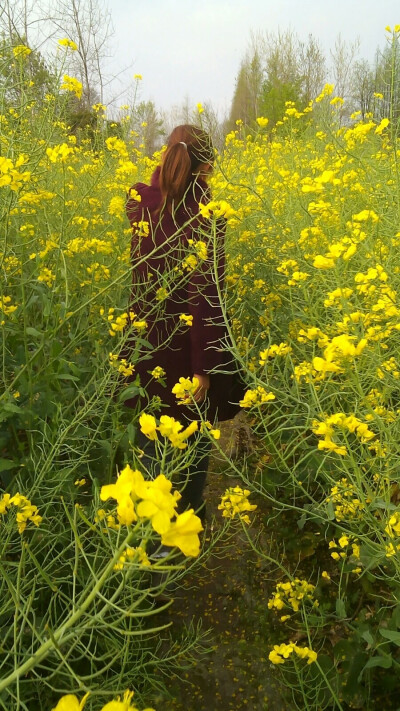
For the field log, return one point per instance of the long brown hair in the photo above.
(188, 146)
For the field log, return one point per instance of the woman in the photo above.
(178, 271)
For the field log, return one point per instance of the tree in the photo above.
(363, 87)
(16, 76)
(343, 57)
(148, 125)
(87, 23)
(277, 68)
(312, 65)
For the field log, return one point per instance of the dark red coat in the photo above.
(180, 350)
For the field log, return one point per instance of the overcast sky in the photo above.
(192, 49)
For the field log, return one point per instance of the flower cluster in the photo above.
(73, 85)
(235, 502)
(292, 594)
(138, 499)
(346, 547)
(282, 652)
(168, 427)
(70, 702)
(347, 505)
(346, 423)
(25, 510)
(257, 396)
(10, 175)
(133, 555)
(275, 350)
(184, 389)
(121, 365)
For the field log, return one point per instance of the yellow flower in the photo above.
(185, 388)
(148, 425)
(200, 108)
(158, 504)
(262, 121)
(383, 124)
(235, 502)
(68, 43)
(125, 491)
(321, 262)
(157, 372)
(70, 702)
(73, 85)
(186, 319)
(215, 433)
(21, 50)
(184, 533)
(137, 76)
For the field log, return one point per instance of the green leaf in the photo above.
(128, 392)
(330, 511)
(6, 464)
(33, 332)
(378, 661)
(368, 637)
(9, 407)
(392, 635)
(340, 609)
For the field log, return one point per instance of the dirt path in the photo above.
(228, 594)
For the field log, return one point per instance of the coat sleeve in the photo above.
(208, 329)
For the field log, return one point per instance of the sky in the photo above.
(192, 50)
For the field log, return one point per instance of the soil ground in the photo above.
(228, 595)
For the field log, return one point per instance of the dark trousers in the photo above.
(191, 480)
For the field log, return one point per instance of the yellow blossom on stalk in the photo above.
(184, 533)
(179, 440)
(138, 77)
(125, 493)
(187, 319)
(217, 208)
(383, 124)
(158, 503)
(321, 262)
(365, 215)
(6, 306)
(292, 594)
(161, 293)
(121, 365)
(148, 425)
(116, 206)
(262, 121)
(200, 108)
(255, 397)
(158, 372)
(275, 350)
(347, 505)
(184, 389)
(47, 277)
(21, 50)
(200, 248)
(282, 652)
(68, 43)
(235, 502)
(59, 153)
(393, 525)
(73, 85)
(70, 702)
(26, 511)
